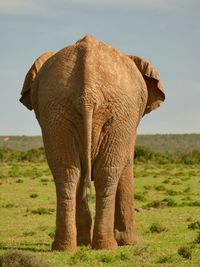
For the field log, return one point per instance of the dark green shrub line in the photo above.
(33, 155)
(145, 154)
(142, 154)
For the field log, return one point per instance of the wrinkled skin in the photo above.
(89, 99)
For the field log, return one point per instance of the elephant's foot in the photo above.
(125, 238)
(104, 243)
(62, 246)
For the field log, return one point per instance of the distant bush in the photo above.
(145, 154)
(142, 154)
(33, 155)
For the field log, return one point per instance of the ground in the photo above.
(168, 221)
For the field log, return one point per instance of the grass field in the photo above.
(168, 221)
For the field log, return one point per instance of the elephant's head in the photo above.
(30, 77)
(155, 89)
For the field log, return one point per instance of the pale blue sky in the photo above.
(166, 32)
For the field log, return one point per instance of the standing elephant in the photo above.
(89, 99)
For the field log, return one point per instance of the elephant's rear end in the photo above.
(84, 87)
(89, 99)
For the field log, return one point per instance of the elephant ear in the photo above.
(155, 89)
(30, 77)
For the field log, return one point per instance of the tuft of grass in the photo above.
(194, 225)
(191, 203)
(44, 180)
(164, 259)
(80, 256)
(31, 233)
(173, 192)
(170, 202)
(140, 197)
(123, 256)
(176, 183)
(9, 205)
(33, 195)
(42, 211)
(147, 187)
(187, 189)
(189, 219)
(42, 228)
(106, 258)
(184, 179)
(195, 203)
(160, 188)
(52, 234)
(21, 259)
(19, 181)
(155, 204)
(197, 240)
(185, 252)
(157, 228)
(187, 198)
(166, 181)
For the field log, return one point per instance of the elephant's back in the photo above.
(88, 73)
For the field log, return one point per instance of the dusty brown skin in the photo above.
(89, 99)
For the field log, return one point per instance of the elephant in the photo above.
(89, 99)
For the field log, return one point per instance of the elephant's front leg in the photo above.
(124, 209)
(105, 186)
(65, 236)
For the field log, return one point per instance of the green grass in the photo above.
(167, 224)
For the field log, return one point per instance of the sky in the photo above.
(166, 32)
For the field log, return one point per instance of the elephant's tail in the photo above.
(88, 112)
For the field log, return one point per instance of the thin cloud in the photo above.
(35, 6)
(146, 4)
(20, 6)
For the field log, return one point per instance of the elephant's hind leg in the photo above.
(64, 162)
(105, 186)
(124, 210)
(83, 218)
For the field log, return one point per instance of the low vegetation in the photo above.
(167, 202)
(156, 142)
(157, 228)
(185, 252)
(21, 259)
(142, 154)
